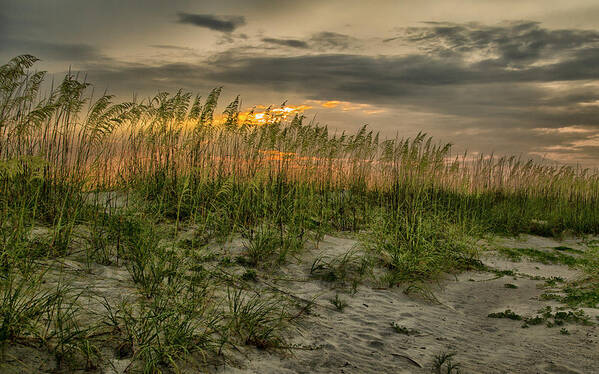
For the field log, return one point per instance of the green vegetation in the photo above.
(146, 188)
(568, 249)
(339, 303)
(403, 330)
(582, 292)
(351, 267)
(544, 257)
(444, 364)
(506, 314)
(547, 317)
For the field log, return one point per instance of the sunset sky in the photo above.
(506, 76)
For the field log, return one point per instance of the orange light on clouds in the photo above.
(348, 106)
(565, 130)
(331, 104)
(262, 115)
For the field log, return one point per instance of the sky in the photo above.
(506, 77)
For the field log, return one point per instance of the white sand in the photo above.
(361, 340)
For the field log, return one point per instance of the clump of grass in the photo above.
(257, 320)
(150, 264)
(99, 247)
(583, 292)
(444, 364)
(164, 331)
(510, 285)
(350, 267)
(338, 303)
(403, 329)
(262, 245)
(250, 275)
(553, 281)
(66, 336)
(416, 246)
(568, 249)
(23, 303)
(508, 313)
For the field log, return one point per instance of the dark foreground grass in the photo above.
(119, 182)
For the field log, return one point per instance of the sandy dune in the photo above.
(361, 340)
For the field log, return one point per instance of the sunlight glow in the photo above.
(271, 115)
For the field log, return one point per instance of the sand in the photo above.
(360, 339)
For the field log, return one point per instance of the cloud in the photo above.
(516, 44)
(496, 95)
(171, 47)
(460, 95)
(378, 77)
(322, 41)
(293, 43)
(327, 40)
(69, 52)
(212, 22)
(145, 79)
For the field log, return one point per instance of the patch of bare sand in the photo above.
(361, 340)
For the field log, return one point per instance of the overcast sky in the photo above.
(505, 76)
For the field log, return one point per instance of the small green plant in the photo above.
(443, 364)
(350, 267)
(557, 318)
(257, 320)
(250, 275)
(403, 329)
(510, 285)
(262, 245)
(506, 314)
(66, 337)
(150, 264)
(23, 303)
(553, 281)
(338, 303)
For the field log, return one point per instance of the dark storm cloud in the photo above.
(293, 43)
(210, 21)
